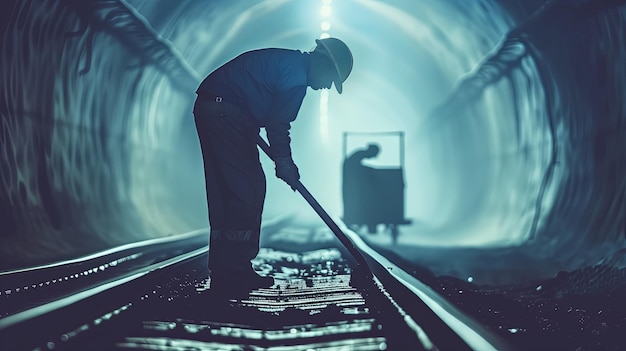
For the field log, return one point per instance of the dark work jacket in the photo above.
(269, 84)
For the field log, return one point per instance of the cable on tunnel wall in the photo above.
(528, 40)
(66, 138)
(120, 20)
(549, 171)
(600, 224)
(501, 65)
(602, 213)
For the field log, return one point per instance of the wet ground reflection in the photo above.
(312, 306)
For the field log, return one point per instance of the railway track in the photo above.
(156, 296)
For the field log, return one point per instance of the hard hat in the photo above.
(340, 56)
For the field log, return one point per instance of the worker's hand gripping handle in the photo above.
(287, 170)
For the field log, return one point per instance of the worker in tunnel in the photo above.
(261, 88)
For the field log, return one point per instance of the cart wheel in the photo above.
(394, 233)
(372, 228)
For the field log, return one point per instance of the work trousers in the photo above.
(235, 183)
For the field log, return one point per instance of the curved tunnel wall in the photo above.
(517, 142)
(588, 118)
(72, 137)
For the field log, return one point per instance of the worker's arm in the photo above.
(283, 111)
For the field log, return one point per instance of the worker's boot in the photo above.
(230, 252)
(240, 280)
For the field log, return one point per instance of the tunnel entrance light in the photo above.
(325, 25)
(326, 10)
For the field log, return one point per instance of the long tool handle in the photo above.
(347, 243)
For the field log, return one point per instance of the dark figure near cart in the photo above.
(358, 186)
(372, 196)
(258, 89)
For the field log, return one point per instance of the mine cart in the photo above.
(373, 195)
